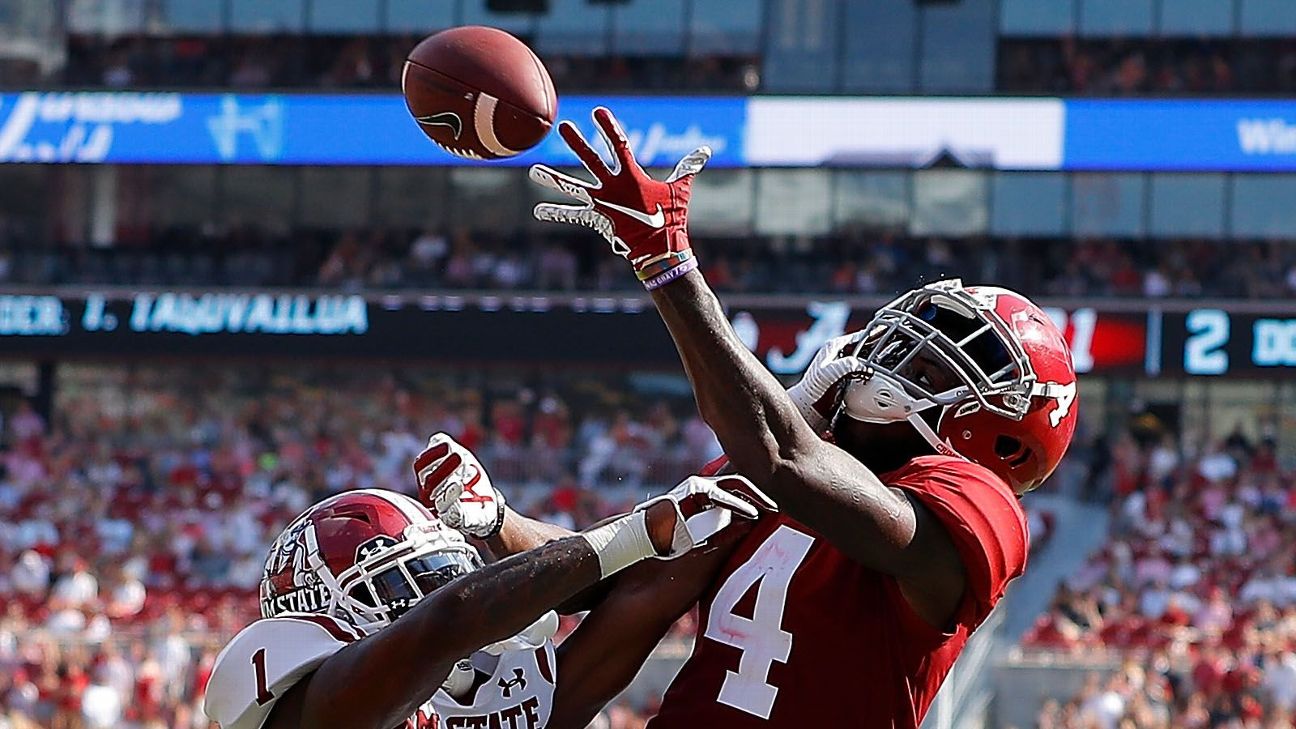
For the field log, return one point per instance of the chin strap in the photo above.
(879, 398)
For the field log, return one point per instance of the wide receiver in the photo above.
(376, 614)
(897, 463)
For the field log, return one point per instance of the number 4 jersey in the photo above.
(271, 655)
(795, 634)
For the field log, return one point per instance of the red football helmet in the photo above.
(364, 557)
(995, 365)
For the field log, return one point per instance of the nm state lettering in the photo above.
(249, 314)
(525, 715)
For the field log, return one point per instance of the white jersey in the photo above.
(269, 656)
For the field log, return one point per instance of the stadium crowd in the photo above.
(848, 264)
(1130, 67)
(133, 525)
(1195, 587)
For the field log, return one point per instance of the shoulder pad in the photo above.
(265, 660)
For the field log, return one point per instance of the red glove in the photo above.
(645, 220)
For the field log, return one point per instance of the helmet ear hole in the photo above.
(1011, 450)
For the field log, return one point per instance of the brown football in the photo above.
(479, 92)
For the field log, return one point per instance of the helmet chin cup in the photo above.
(879, 398)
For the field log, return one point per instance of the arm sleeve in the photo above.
(983, 518)
(264, 661)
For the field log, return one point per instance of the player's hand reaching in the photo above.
(815, 393)
(699, 507)
(453, 483)
(645, 220)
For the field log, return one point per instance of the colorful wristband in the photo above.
(662, 264)
(671, 274)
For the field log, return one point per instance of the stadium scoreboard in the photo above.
(610, 329)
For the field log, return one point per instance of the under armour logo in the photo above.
(374, 546)
(518, 680)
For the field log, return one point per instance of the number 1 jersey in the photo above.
(793, 633)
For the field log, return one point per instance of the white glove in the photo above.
(703, 508)
(452, 482)
(825, 371)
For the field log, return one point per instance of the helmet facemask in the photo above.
(391, 577)
(938, 346)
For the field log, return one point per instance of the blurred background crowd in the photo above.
(385, 259)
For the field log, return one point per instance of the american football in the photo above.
(479, 92)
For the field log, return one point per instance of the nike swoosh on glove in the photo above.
(645, 220)
(453, 483)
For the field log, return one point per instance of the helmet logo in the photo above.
(312, 599)
(1064, 396)
(290, 553)
(374, 546)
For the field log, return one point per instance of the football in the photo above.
(479, 92)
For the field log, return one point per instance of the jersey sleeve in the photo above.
(982, 516)
(264, 661)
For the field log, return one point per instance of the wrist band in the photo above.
(620, 543)
(671, 274)
(663, 263)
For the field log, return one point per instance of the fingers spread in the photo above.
(692, 163)
(588, 157)
(615, 138)
(546, 176)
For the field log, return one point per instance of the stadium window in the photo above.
(489, 199)
(415, 197)
(1046, 18)
(793, 202)
(648, 27)
(880, 38)
(949, 202)
(1107, 205)
(1187, 205)
(419, 16)
(723, 202)
(186, 16)
(871, 199)
(802, 42)
(958, 47)
(336, 197)
(266, 16)
(1028, 204)
(260, 195)
(171, 195)
(28, 195)
(1115, 17)
(729, 28)
(1262, 206)
(1268, 17)
(95, 17)
(479, 12)
(573, 27)
(342, 17)
(1195, 18)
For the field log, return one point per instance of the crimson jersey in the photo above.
(793, 633)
